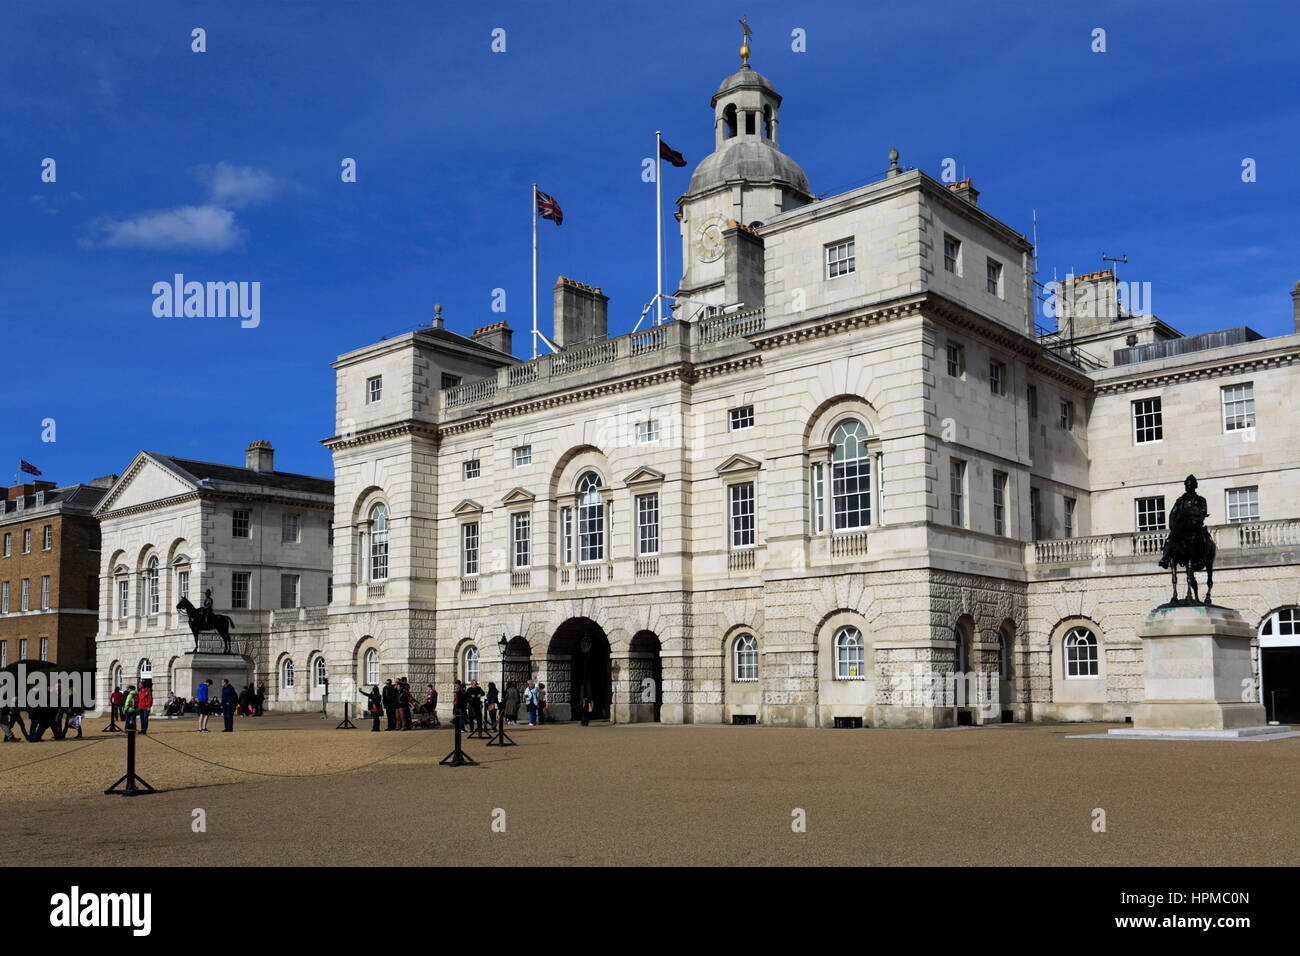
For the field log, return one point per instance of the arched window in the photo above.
(117, 676)
(767, 122)
(379, 543)
(318, 670)
(146, 668)
(151, 586)
(850, 654)
(745, 654)
(1080, 653)
(471, 663)
(591, 519)
(729, 121)
(1004, 654)
(1281, 623)
(372, 666)
(961, 658)
(286, 673)
(850, 476)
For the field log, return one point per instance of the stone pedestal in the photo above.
(1197, 671)
(196, 667)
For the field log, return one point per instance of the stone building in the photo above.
(49, 572)
(259, 539)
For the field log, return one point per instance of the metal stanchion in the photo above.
(130, 778)
(458, 757)
(347, 724)
(112, 727)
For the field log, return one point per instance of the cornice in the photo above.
(369, 436)
(1203, 370)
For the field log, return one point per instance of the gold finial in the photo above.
(744, 46)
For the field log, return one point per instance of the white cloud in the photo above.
(205, 228)
(234, 187)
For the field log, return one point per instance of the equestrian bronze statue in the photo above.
(202, 619)
(1189, 543)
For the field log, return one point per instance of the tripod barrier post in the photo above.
(347, 724)
(135, 785)
(458, 757)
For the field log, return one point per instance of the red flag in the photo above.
(548, 208)
(670, 154)
(28, 467)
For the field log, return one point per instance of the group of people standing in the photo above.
(474, 707)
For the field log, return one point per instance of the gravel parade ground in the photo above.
(650, 794)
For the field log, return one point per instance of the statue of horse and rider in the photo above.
(202, 619)
(1189, 543)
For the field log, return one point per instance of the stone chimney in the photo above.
(496, 336)
(1091, 301)
(260, 457)
(104, 482)
(581, 314)
(967, 191)
(1295, 305)
(743, 254)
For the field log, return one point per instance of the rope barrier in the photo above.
(52, 756)
(266, 773)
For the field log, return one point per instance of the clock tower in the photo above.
(746, 179)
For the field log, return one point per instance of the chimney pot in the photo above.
(260, 457)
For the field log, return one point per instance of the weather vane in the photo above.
(749, 35)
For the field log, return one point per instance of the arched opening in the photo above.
(963, 636)
(577, 669)
(729, 121)
(519, 663)
(1007, 670)
(1279, 664)
(645, 678)
(767, 122)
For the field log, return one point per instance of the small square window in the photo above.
(840, 259)
(956, 355)
(1148, 421)
(523, 455)
(374, 389)
(647, 432)
(449, 381)
(1067, 415)
(471, 469)
(993, 277)
(742, 417)
(952, 254)
(1238, 407)
(997, 378)
(1243, 504)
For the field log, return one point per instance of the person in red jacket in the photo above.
(145, 704)
(115, 700)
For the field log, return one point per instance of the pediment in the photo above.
(644, 475)
(738, 463)
(467, 507)
(518, 496)
(145, 481)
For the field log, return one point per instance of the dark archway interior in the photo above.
(1281, 666)
(589, 671)
(647, 663)
(519, 663)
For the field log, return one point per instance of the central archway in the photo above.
(577, 659)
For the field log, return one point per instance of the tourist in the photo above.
(129, 705)
(201, 705)
(458, 705)
(115, 699)
(261, 699)
(474, 701)
(144, 703)
(493, 705)
(511, 705)
(228, 698)
(530, 702)
(403, 705)
(541, 703)
(375, 703)
(431, 706)
(390, 704)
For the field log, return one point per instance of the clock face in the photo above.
(708, 238)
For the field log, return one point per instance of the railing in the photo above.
(522, 374)
(376, 590)
(740, 560)
(847, 545)
(647, 567)
(468, 585)
(471, 393)
(734, 325)
(647, 340)
(521, 579)
(1238, 536)
(589, 573)
(589, 356)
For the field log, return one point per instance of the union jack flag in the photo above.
(28, 467)
(548, 208)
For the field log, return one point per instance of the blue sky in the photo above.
(225, 166)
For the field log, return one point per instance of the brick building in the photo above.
(49, 572)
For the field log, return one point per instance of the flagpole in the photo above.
(659, 233)
(534, 270)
